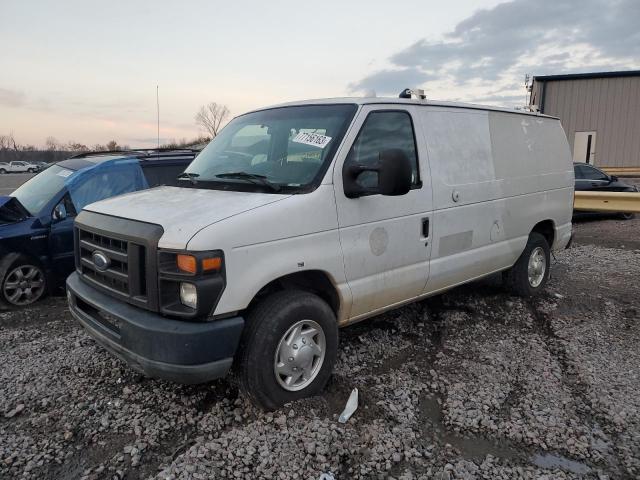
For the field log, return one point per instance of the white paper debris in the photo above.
(350, 408)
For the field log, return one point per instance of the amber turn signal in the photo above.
(211, 264)
(187, 263)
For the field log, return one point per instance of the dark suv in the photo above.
(36, 220)
(590, 178)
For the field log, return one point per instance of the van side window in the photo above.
(382, 131)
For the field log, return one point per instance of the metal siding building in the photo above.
(600, 113)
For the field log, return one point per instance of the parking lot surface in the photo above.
(10, 181)
(474, 383)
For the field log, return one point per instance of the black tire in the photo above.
(3, 171)
(266, 325)
(517, 277)
(31, 170)
(9, 267)
(627, 216)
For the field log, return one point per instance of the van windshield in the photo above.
(283, 150)
(39, 190)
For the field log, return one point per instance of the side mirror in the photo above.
(394, 175)
(613, 178)
(59, 212)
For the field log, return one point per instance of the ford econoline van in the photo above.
(305, 217)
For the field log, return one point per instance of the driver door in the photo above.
(385, 239)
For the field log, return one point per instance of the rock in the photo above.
(16, 411)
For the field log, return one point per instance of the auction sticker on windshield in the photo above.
(64, 173)
(314, 139)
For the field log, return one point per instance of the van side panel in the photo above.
(533, 157)
(495, 175)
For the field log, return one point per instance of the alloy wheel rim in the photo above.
(537, 267)
(24, 285)
(300, 355)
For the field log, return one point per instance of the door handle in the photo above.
(425, 227)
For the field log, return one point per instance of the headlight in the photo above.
(190, 283)
(189, 295)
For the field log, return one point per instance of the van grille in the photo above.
(124, 271)
(119, 256)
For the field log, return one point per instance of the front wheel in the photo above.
(530, 273)
(627, 216)
(23, 281)
(288, 349)
(3, 171)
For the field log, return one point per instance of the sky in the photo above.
(87, 71)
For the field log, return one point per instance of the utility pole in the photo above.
(158, 111)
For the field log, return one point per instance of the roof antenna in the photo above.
(417, 92)
(158, 112)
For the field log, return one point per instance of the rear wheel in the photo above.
(530, 273)
(31, 170)
(288, 349)
(2, 170)
(23, 281)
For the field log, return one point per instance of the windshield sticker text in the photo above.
(314, 139)
(64, 173)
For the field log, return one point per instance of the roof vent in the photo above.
(416, 92)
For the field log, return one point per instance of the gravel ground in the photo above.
(471, 384)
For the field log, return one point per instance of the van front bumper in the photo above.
(159, 347)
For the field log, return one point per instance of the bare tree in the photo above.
(184, 143)
(13, 150)
(76, 147)
(112, 145)
(4, 142)
(52, 144)
(211, 117)
(8, 142)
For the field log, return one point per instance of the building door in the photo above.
(584, 147)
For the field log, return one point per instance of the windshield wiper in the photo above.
(251, 177)
(189, 176)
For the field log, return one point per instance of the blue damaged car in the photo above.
(36, 220)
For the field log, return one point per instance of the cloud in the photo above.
(12, 98)
(500, 44)
(400, 78)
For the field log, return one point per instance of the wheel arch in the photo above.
(547, 229)
(318, 282)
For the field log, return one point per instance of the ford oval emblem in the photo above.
(100, 260)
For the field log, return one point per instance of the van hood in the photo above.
(182, 212)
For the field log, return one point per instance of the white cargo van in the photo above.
(305, 217)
